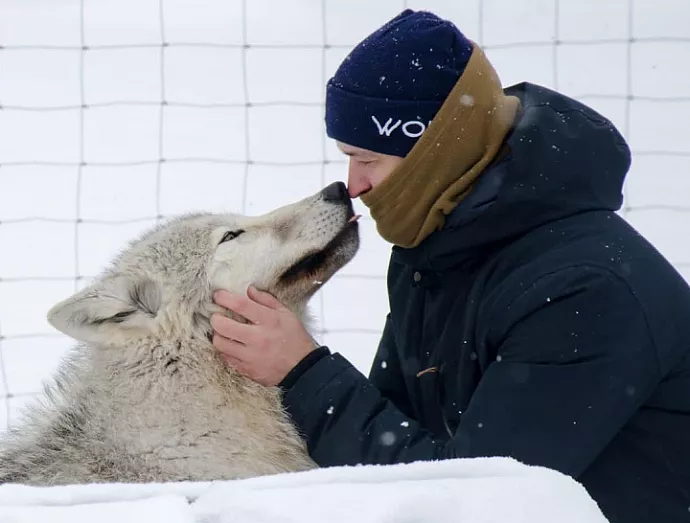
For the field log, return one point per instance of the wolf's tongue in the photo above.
(354, 218)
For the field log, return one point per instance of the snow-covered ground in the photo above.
(483, 490)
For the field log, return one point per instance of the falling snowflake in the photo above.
(387, 438)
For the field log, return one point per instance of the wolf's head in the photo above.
(161, 285)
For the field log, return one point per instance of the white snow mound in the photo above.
(480, 490)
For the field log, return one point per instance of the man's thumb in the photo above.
(264, 298)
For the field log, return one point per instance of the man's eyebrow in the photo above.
(357, 154)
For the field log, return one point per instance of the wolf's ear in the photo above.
(109, 311)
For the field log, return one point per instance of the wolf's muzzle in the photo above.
(336, 193)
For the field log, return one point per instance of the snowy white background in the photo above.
(114, 113)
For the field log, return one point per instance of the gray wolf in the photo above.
(143, 396)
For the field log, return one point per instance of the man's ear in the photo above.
(109, 311)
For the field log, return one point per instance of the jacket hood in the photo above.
(561, 158)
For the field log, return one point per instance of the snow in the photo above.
(481, 490)
(163, 508)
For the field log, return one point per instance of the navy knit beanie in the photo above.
(392, 84)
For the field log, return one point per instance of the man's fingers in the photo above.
(237, 364)
(232, 329)
(264, 298)
(242, 305)
(230, 348)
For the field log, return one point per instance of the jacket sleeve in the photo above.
(386, 373)
(574, 361)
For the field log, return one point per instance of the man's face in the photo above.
(367, 169)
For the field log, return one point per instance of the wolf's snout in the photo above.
(336, 193)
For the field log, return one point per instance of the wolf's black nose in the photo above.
(336, 193)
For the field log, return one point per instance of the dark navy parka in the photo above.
(537, 324)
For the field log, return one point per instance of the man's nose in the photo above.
(356, 184)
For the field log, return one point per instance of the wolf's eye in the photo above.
(230, 235)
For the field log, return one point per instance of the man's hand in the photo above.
(266, 349)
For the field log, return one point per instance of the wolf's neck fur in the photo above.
(192, 411)
(164, 411)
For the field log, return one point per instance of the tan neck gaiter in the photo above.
(462, 139)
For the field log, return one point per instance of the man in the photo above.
(527, 319)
